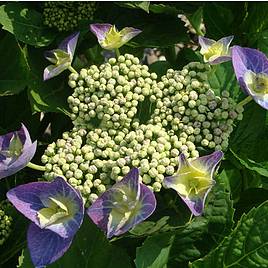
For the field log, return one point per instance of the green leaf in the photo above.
(149, 227)
(255, 25)
(144, 5)
(222, 77)
(159, 67)
(246, 246)
(26, 24)
(249, 140)
(13, 66)
(232, 179)
(184, 247)
(219, 212)
(261, 168)
(160, 32)
(218, 20)
(14, 110)
(185, 56)
(196, 20)
(154, 252)
(250, 198)
(163, 9)
(90, 249)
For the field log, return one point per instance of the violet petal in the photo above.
(45, 246)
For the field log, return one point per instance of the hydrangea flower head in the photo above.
(215, 52)
(194, 180)
(16, 151)
(56, 211)
(124, 205)
(62, 57)
(251, 69)
(110, 38)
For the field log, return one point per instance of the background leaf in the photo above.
(26, 24)
(14, 69)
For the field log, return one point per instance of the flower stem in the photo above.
(36, 167)
(245, 101)
(71, 69)
(117, 52)
(190, 219)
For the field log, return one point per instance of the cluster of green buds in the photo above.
(65, 16)
(93, 160)
(5, 222)
(109, 96)
(185, 103)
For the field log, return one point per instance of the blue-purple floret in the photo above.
(139, 204)
(250, 60)
(11, 162)
(47, 244)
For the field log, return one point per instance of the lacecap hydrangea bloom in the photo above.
(124, 205)
(16, 151)
(251, 69)
(56, 211)
(61, 57)
(125, 117)
(110, 38)
(215, 52)
(194, 180)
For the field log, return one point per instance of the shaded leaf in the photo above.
(218, 20)
(196, 20)
(144, 5)
(261, 168)
(48, 96)
(160, 68)
(13, 66)
(26, 24)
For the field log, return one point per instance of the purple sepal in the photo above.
(100, 30)
(220, 59)
(69, 44)
(248, 59)
(128, 33)
(210, 162)
(61, 57)
(45, 246)
(194, 180)
(11, 162)
(123, 206)
(30, 198)
(53, 70)
(206, 44)
(110, 38)
(148, 205)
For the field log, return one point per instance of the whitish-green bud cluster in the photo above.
(185, 103)
(92, 161)
(109, 96)
(5, 222)
(65, 16)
